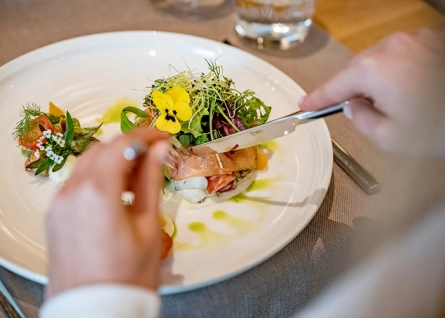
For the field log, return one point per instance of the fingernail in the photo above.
(159, 150)
(347, 111)
(301, 100)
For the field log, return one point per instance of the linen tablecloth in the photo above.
(290, 279)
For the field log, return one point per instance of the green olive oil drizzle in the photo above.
(113, 113)
(271, 145)
(209, 238)
(242, 225)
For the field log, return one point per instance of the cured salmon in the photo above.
(204, 162)
(218, 183)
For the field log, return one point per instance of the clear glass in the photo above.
(194, 9)
(282, 22)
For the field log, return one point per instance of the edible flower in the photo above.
(174, 105)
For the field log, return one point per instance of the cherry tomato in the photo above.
(167, 244)
(30, 138)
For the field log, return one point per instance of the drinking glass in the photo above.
(282, 22)
(194, 9)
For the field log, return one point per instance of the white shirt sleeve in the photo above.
(105, 300)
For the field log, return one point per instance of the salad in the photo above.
(51, 141)
(193, 107)
(197, 108)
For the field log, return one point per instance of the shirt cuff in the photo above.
(105, 300)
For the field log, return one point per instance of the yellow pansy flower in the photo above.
(174, 106)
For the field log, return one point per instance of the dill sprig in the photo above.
(214, 68)
(29, 112)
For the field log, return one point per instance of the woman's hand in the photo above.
(405, 76)
(92, 237)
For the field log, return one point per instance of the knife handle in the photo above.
(357, 173)
(8, 308)
(306, 116)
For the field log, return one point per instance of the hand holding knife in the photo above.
(286, 125)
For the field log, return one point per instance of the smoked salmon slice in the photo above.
(215, 183)
(204, 162)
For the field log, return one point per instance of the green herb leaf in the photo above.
(35, 164)
(76, 122)
(66, 152)
(80, 132)
(126, 124)
(68, 136)
(194, 126)
(79, 145)
(59, 166)
(255, 112)
(185, 140)
(26, 152)
(53, 119)
(43, 166)
(201, 140)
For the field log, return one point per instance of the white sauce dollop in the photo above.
(173, 196)
(65, 172)
(192, 189)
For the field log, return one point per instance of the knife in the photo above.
(268, 131)
(8, 304)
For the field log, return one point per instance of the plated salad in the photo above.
(193, 107)
(51, 141)
(197, 108)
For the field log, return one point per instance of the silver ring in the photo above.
(135, 149)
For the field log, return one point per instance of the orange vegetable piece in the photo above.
(54, 110)
(261, 160)
(167, 244)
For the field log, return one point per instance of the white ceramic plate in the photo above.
(86, 75)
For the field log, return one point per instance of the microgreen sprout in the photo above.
(218, 108)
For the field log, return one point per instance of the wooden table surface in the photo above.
(358, 24)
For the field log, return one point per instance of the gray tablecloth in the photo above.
(289, 280)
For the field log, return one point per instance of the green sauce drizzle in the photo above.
(240, 224)
(271, 145)
(113, 113)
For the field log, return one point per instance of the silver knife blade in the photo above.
(274, 129)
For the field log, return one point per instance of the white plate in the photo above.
(88, 74)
